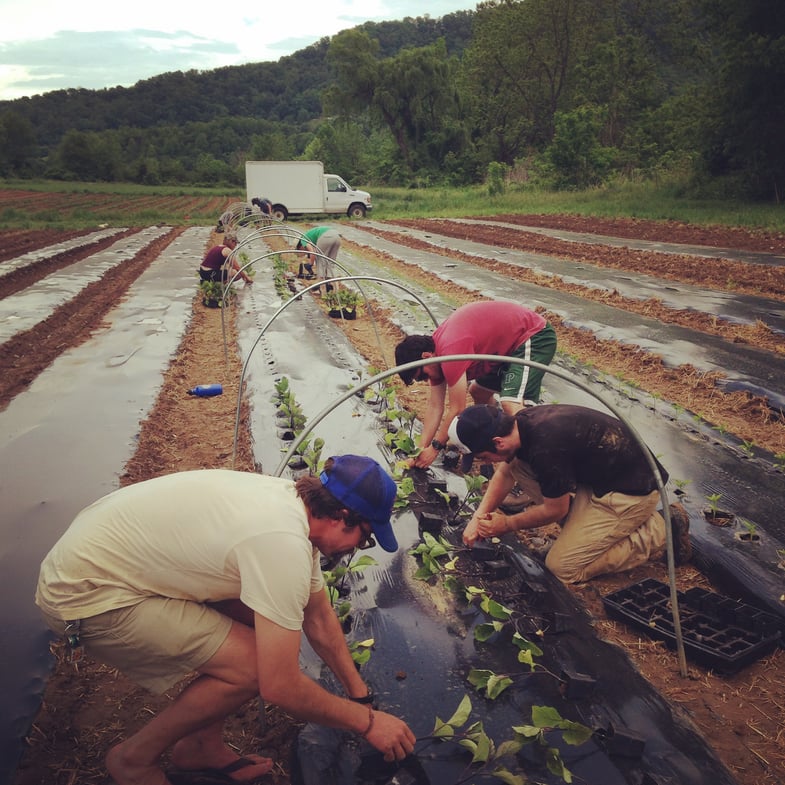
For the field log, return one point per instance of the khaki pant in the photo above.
(607, 534)
(156, 642)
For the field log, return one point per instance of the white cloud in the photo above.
(49, 45)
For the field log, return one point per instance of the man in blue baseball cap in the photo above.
(217, 573)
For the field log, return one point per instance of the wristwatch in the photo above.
(437, 445)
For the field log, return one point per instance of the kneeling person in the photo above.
(590, 476)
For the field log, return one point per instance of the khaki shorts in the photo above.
(155, 643)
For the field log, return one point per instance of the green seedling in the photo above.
(214, 290)
(361, 651)
(335, 579)
(401, 442)
(473, 495)
(405, 490)
(430, 550)
(750, 528)
(292, 412)
(487, 756)
(713, 500)
(282, 388)
(312, 454)
(403, 418)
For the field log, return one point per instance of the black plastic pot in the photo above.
(342, 313)
(430, 523)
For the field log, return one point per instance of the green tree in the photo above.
(576, 157)
(17, 144)
(87, 156)
(412, 94)
(744, 126)
(517, 70)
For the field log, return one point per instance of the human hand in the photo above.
(391, 736)
(425, 457)
(494, 524)
(471, 533)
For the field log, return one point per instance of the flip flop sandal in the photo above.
(221, 776)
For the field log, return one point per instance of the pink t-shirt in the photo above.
(489, 327)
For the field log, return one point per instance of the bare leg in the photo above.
(193, 722)
(480, 395)
(511, 407)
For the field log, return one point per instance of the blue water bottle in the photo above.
(206, 390)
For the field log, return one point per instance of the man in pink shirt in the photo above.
(488, 327)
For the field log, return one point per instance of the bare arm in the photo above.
(324, 633)
(437, 421)
(431, 422)
(282, 682)
(456, 403)
(499, 486)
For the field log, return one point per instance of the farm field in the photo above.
(740, 716)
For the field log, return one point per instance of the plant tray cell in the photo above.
(718, 632)
(430, 523)
(437, 484)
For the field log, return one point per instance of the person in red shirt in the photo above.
(488, 327)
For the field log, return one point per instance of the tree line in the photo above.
(563, 93)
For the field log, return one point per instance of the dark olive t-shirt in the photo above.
(567, 446)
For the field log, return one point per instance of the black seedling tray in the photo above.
(717, 631)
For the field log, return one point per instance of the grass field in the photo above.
(33, 204)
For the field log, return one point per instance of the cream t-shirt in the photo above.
(203, 535)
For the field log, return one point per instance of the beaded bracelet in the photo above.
(364, 734)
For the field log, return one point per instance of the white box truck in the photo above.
(302, 188)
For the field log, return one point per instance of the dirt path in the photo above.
(85, 712)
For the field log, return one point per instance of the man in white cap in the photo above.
(590, 475)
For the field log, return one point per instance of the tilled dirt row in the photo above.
(26, 354)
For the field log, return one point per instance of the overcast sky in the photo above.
(51, 44)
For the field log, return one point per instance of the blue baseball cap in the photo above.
(365, 488)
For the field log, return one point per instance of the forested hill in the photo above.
(287, 91)
(562, 93)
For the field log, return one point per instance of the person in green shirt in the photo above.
(321, 245)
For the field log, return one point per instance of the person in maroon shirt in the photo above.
(214, 266)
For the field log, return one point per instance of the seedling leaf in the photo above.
(482, 632)
(461, 713)
(507, 776)
(526, 645)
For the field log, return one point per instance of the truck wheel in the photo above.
(279, 212)
(356, 210)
